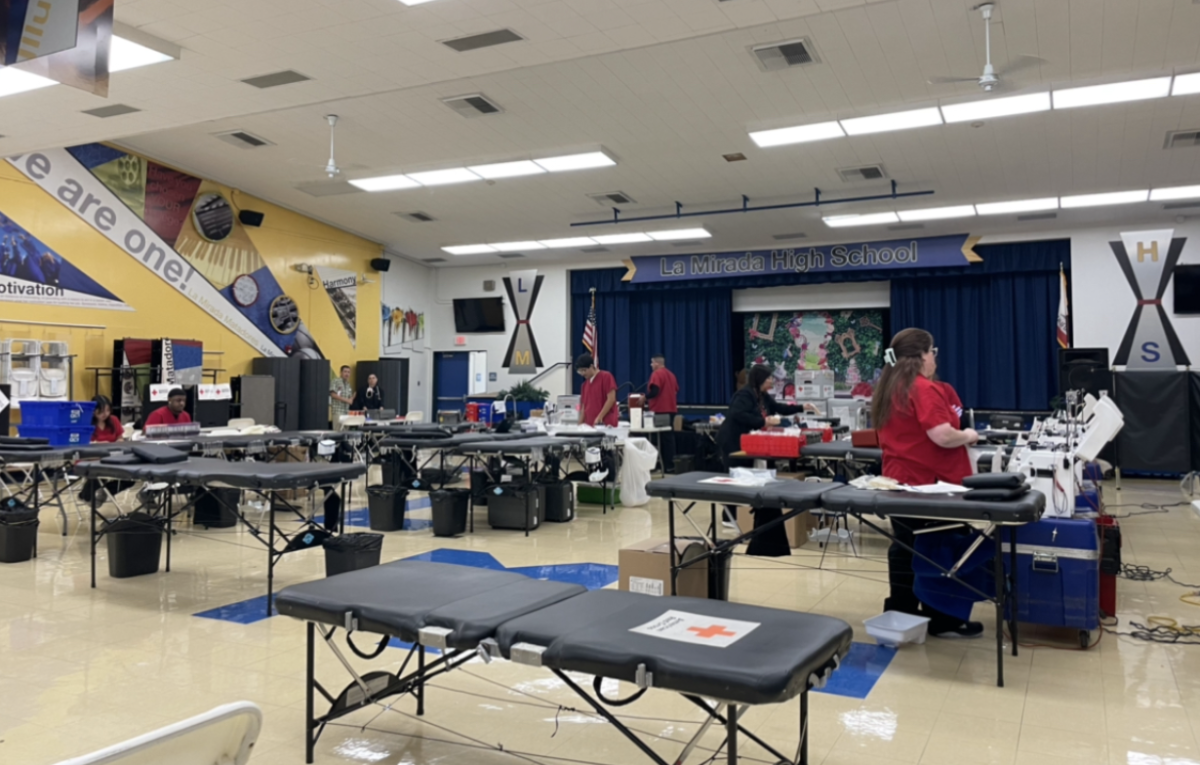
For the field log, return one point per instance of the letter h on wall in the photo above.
(1149, 333)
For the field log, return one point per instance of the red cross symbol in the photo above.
(716, 630)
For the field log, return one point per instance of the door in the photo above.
(479, 373)
(451, 381)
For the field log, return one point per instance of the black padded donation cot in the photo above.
(722, 657)
(265, 479)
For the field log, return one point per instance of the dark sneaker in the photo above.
(968, 631)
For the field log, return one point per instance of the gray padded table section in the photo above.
(591, 634)
(402, 597)
(839, 450)
(420, 440)
(950, 507)
(522, 445)
(786, 493)
(263, 476)
(42, 454)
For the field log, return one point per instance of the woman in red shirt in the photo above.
(107, 429)
(918, 420)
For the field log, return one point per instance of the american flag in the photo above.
(589, 329)
(1064, 336)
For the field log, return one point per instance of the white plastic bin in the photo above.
(892, 628)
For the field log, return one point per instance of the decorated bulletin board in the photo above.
(848, 343)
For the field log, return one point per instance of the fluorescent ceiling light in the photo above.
(469, 249)
(871, 219)
(385, 183)
(799, 134)
(1174, 192)
(415, 2)
(126, 54)
(1113, 93)
(997, 107)
(506, 169)
(882, 123)
(938, 213)
(517, 246)
(1108, 198)
(679, 233)
(1186, 84)
(1017, 206)
(444, 177)
(576, 241)
(13, 81)
(622, 239)
(575, 161)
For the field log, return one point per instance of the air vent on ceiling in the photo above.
(327, 188)
(508, 255)
(738, 157)
(485, 40)
(610, 198)
(907, 227)
(863, 173)
(693, 243)
(275, 79)
(1180, 205)
(112, 110)
(474, 105)
(1179, 139)
(594, 250)
(784, 55)
(416, 217)
(785, 237)
(434, 260)
(243, 139)
(1038, 216)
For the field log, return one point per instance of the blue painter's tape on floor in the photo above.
(460, 558)
(398, 643)
(594, 576)
(860, 669)
(245, 612)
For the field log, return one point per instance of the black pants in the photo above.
(113, 487)
(772, 543)
(901, 577)
(666, 444)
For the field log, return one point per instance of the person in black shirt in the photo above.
(370, 397)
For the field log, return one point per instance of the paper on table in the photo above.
(941, 487)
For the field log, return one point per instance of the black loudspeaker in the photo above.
(381, 264)
(1084, 369)
(393, 378)
(250, 218)
(314, 394)
(286, 371)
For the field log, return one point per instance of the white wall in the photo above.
(550, 321)
(834, 296)
(1103, 303)
(408, 285)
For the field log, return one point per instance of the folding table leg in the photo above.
(998, 573)
(311, 677)
(731, 735)
(1012, 586)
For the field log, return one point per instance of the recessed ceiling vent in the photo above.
(594, 250)
(907, 227)
(864, 173)
(275, 79)
(416, 217)
(112, 110)
(1038, 216)
(610, 198)
(243, 139)
(784, 55)
(509, 255)
(485, 40)
(693, 243)
(474, 105)
(434, 260)
(786, 237)
(1180, 205)
(1180, 139)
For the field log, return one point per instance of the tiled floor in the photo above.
(83, 668)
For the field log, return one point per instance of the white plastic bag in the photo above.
(753, 476)
(640, 459)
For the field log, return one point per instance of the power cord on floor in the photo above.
(1146, 508)
(1162, 629)
(1146, 574)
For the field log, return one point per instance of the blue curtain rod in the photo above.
(746, 207)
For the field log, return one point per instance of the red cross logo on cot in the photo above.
(697, 629)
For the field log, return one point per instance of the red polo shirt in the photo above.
(164, 416)
(909, 455)
(668, 389)
(592, 397)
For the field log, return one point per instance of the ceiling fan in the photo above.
(990, 79)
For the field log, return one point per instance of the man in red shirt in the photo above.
(172, 413)
(661, 394)
(598, 396)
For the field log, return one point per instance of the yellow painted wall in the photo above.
(285, 239)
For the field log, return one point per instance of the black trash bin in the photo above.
(480, 483)
(217, 509)
(385, 505)
(684, 463)
(134, 545)
(450, 508)
(18, 531)
(350, 552)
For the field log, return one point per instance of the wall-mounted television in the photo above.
(478, 315)
(1187, 290)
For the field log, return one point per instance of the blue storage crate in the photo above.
(1058, 573)
(57, 414)
(68, 436)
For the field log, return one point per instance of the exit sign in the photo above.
(460, 340)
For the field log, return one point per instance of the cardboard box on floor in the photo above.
(646, 567)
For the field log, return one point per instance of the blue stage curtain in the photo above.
(690, 327)
(995, 333)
